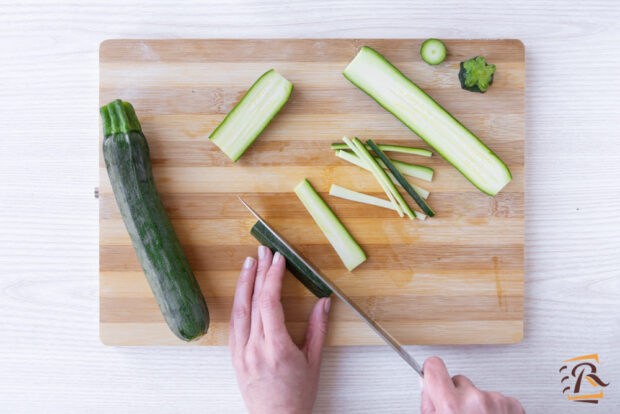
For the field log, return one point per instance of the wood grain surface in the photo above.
(453, 279)
(51, 358)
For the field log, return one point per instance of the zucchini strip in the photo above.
(413, 170)
(346, 194)
(383, 82)
(294, 263)
(389, 148)
(369, 163)
(353, 159)
(346, 247)
(416, 197)
(365, 155)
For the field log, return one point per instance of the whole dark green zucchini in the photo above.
(165, 265)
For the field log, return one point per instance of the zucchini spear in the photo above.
(252, 114)
(346, 247)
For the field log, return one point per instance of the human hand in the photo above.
(457, 395)
(274, 374)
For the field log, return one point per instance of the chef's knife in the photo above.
(383, 334)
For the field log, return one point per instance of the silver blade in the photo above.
(383, 334)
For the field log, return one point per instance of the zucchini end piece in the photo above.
(119, 116)
(476, 75)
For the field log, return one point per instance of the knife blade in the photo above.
(374, 325)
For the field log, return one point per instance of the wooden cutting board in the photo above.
(453, 279)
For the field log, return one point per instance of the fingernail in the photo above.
(249, 262)
(262, 251)
(421, 383)
(276, 258)
(328, 304)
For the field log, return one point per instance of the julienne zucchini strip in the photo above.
(346, 247)
(382, 176)
(412, 170)
(346, 194)
(389, 148)
(294, 262)
(402, 180)
(353, 159)
(370, 159)
(382, 182)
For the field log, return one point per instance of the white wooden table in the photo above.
(51, 359)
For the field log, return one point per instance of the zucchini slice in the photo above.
(294, 263)
(252, 114)
(353, 159)
(433, 51)
(346, 247)
(389, 148)
(126, 155)
(402, 180)
(373, 74)
(346, 194)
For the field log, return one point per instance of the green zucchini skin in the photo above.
(126, 155)
(293, 263)
(399, 177)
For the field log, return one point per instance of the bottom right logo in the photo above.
(581, 381)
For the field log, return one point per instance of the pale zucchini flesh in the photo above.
(346, 247)
(412, 170)
(252, 114)
(389, 148)
(361, 151)
(353, 159)
(375, 170)
(346, 194)
(373, 74)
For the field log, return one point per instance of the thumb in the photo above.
(438, 385)
(317, 331)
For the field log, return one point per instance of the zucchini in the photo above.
(126, 155)
(346, 247)
(433, 51)
(252, 114)
(294, 262)
(402, 180)
(476, 75)
(373, 74)
(413, 170)
(397, 199)
(346, 194)
(353, 159)
(389, 148)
